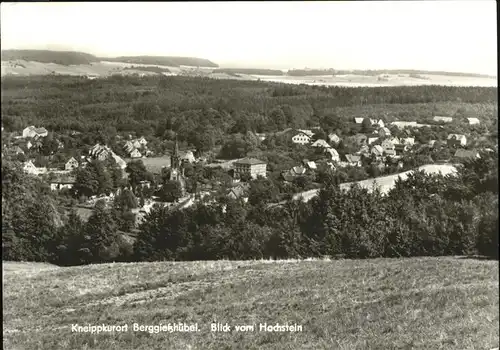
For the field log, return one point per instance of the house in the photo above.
(384, 132)
(473, 121)
(14, 150)
(402, 125)
(321, 143)
(333, 138)
(62, 182)
(128, 147)
(466, 154)
(440, 119)
(380, 123)
(456, 140)
(30, 168)
(377, 150)
(308, 132)
(395, 140)
(136, 143)
(353, 160)
(135, 154)
(71, 164)
(359, 120)
(334, 155)
(311, 165)
(99, 152)
(291, 174)
(33, 132)
(251, 166)
(239, 191)
(188, 156)
(388, 147)
(142, 141)
(431, 143)
(301, 138)
(409, 141)
(372, 139)
(23, 144)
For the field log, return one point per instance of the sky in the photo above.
(429, 35)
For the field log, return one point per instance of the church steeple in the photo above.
(176, 147)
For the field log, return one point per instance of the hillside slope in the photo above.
(81, 58)
(419, 303)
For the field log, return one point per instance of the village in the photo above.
(375, 145)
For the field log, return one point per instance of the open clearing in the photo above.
(417, 303)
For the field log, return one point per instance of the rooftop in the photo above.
(249, 161)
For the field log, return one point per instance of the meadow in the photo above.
(414, 303)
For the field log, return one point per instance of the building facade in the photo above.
(250, 166)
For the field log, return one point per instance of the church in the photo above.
(176, 169)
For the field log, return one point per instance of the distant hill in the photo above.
(163, 61)
(254, 71)
(67, 58)
(370, 72)
(64, 58)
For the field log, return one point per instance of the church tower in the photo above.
(176, 170)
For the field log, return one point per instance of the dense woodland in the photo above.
(426, 215)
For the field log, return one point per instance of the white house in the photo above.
(30, 168)
(142, 141)
(188, 156)
(388, 147)
(395, 140)
(353, 160)
(377, 150)
(301, 138)
(135, 154)
(334, 138)
(384, 132)
(333, 154)
(31, 131)
(380, 123)
(320, 143)
(358, 120)
(71, 164)
(440, 119)
(372, 140)
(473, 121)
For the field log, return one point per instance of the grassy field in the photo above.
(105, 68)
(418, 303)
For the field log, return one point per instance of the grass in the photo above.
(418, 303)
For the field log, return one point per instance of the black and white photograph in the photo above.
(250, 175)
